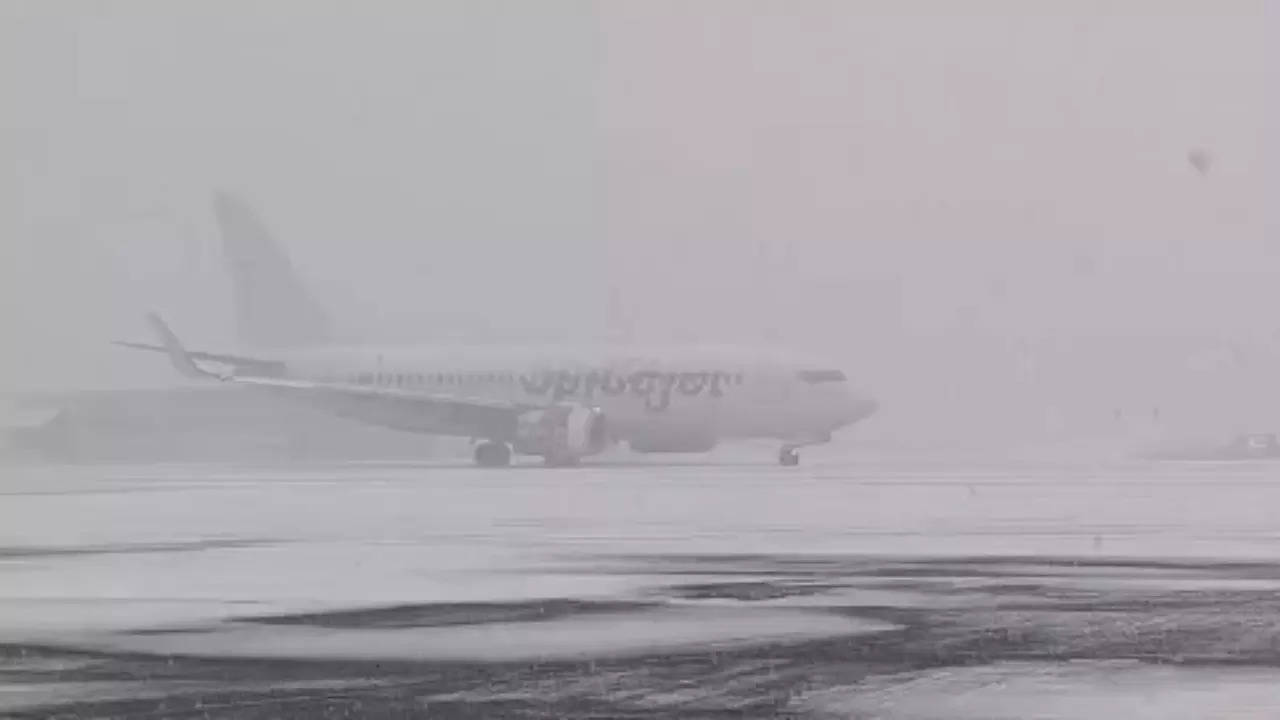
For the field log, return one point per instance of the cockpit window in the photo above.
(821, 376)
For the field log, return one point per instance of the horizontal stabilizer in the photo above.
(178, 355)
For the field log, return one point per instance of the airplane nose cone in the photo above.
(857, 406)
(864, 406)
(853, 406)
(867, 406)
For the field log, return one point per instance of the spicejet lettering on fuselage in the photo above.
(655, 386)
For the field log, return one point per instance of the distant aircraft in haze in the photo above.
(559, 403)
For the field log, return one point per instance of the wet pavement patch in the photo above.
(36, 551)
(1038, 633)
(443, 614)
(748, 591)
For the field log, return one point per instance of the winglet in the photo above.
(177, 353)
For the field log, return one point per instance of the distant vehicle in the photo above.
(1251, 446)
(561, 404)
(1247, 446)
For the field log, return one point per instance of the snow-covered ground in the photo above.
(183, 542)
(89, 556)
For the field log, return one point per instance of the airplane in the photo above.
(558, 403)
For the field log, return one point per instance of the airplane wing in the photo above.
(399, 409)
(396, 408)
(256, 365)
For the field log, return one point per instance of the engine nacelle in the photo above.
(562, 433)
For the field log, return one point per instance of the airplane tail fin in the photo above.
(273, 308)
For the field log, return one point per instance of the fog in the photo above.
(1043, 225)
(1030, 248)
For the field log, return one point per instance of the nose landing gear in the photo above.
(789, 456)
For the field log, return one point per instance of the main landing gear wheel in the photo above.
(493, 454)
(789, 457)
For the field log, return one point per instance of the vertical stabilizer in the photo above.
(273, 308)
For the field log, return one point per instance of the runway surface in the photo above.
(704, 589)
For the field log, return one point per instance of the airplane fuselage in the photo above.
(680, 399)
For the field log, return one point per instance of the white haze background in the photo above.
(987, 214)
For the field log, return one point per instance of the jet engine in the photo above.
(562, 434)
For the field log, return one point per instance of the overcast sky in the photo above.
(848, 177)
(429, 166)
